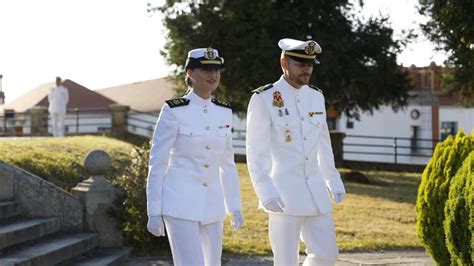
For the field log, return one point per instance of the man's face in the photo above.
(297, 72)
(205, 79)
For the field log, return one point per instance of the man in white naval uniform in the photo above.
(192, 181)
(290, 160)
(58, 98)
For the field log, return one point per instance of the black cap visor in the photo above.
(301, 57)
(216, 63)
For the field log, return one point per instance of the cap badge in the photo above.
(310, 49)
(277, 100)
(209, 54)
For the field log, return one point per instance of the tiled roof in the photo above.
(144, 96)
(79, 97)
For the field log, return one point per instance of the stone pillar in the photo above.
(99, 197)
(39, 121)
(119, 120)
(337, 139)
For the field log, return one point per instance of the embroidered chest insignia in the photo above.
(277, 100)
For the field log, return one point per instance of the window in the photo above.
(349, 124)
(414, 138)
(448, 128)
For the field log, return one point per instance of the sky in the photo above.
(105, 43)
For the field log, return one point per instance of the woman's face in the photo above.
(205, 80)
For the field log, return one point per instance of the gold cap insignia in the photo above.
(310, 49)
(209, 54)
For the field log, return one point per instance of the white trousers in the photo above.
(317, 232)
(193, 243)
(57, 124)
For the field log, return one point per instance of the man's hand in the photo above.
(338, 197)
(274, 205)
(237, 220)
(156, 226)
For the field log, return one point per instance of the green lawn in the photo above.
(61, 160)
(379, 215)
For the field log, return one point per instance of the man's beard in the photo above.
(302, 79)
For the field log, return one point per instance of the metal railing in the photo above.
(389, 146)
(90, 120)
(141, 123)
(14, 124)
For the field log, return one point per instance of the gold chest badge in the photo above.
(277, 100)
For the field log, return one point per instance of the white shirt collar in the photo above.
(196, 99)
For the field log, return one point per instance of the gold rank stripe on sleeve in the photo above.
(177, 102)
(262, 88)
(221, 103)
(315, 88)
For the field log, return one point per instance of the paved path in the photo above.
(414, 257)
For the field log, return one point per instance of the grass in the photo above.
(376, 216)
(61, 160)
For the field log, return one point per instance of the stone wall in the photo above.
(40, 198)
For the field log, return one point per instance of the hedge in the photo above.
(459, 213)
(433, 194)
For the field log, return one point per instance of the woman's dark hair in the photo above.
(188, 81)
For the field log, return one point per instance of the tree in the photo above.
(451, 27)
(358, 68)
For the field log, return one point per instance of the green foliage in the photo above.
(60, 160)
(433, 193)
(134, 215)
(459, 212)
(358, 57)
(452, 27)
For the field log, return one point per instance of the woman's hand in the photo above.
(237, 220)
(156, 225)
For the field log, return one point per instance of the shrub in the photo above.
(134, 216)
(459, 212)
(433, 193)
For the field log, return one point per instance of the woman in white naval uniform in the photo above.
(192, 180)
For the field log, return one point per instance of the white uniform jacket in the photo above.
(58, 98)
(192, 174)
(289, 150)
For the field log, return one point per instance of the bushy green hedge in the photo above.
(459, 212)
(134, 215)
(433, 194)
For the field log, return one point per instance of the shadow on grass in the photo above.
(398, 187)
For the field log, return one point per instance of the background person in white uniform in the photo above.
(58, 98)
(290, 160)
(192, 180)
